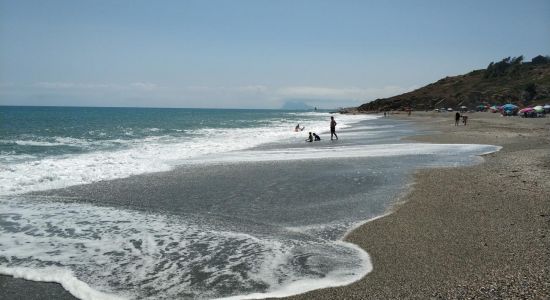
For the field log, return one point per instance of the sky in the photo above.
(252, 54)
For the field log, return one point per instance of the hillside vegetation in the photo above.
(510, 80)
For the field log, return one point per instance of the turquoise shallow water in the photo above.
(43, 131)
(53, 147)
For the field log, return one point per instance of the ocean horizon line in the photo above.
(168, 107)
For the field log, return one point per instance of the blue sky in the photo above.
(252, 54)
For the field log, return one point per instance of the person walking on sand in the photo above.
(332, 128)
(457, 118)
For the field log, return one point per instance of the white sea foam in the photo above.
(151, 154)
(96, 252)
(64, 277)
(50, 142)
(329, 151)
(100, 252)
(332, 279)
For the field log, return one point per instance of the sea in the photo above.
(165, 203)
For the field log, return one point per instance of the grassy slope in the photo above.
(473, 89)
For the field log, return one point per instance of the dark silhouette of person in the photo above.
(310, 138)
(317, 138)
(332, 128)
(457, 118)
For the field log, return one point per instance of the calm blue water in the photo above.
(145, 203)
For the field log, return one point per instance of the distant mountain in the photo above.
(296, 105)
(508, 81)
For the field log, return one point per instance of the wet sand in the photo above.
(468, 232)
(478, 232)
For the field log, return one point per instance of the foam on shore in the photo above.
(25, 173)
(119, 250)
(333, 279)
(333, 151)
(70, 283)
(125, 247)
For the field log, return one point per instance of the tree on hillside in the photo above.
(517, 60)
(540, 60)
(507, 66)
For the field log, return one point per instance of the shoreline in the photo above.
(457, 234)
(383, 281)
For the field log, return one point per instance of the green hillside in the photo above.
(508, 81)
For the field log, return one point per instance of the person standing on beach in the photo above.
(457, 118)
(332, 128)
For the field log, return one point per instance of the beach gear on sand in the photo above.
(527, 109)
(509, 107)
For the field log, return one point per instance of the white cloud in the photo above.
(282, 93)
(237, 96)
(337, 93)
(147, 86)
(256, 89)
(143, 86)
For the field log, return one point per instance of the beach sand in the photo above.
(469, 232)
(478, 232)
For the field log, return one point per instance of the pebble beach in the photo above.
(476, 232)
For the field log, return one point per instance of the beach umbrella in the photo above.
(538, 108)
(463, 106)
(546, 106)
(527, 109)
(509, 107)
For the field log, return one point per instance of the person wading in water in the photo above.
(332, 128)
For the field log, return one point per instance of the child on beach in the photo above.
(310, 138)
(317, 138)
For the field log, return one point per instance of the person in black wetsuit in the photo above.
(316, 137)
